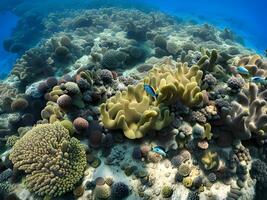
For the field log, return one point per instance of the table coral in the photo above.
(53, 161)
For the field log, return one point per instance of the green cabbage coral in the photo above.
(53, 161)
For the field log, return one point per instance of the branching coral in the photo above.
(174, 83)
(248, 117)
(208, 59)
(52, 112)
(52, 160)
(133, 112)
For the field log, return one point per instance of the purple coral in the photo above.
(119, 191)
(137, 153)
(106, 75)
(235, 83)
(177, 161)
(107, 141)
(209, 80)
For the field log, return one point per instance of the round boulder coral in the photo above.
(177, 160)
(64, 101)
(62, 52)
(65, 41)
(106, 75)
(102, 191)
(19, 104)
(72, 88)
(53, 161)
(42, 87)
(95, 138)
(112, 59)
(159, 41)
(51, 81)
(172, 47)
(166, 191)
(184, 170)
(80, 124)
(119, 190)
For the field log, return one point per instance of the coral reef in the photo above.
(83, 111)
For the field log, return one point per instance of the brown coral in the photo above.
(52, 160)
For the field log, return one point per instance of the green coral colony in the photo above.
(77, 121)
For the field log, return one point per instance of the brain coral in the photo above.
(52, 160)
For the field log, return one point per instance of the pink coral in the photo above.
(80, 124)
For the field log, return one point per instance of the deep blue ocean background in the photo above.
(7, 22)
(245, 17)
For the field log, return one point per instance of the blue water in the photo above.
(245, 17)
(7, 22)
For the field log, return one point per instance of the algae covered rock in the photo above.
(53, 161)
(166, 191)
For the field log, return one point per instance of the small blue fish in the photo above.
(242, 70)
(258, 79)
(159, 150)
(150, 90)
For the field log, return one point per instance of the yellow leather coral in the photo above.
(133, 112)
(174, 82)
(136, 113)
(210, 160)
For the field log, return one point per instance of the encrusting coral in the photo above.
(53, 161)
